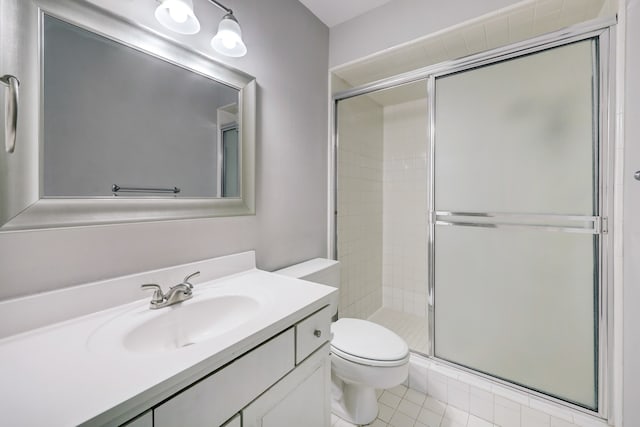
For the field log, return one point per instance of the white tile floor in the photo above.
(404, 407)
(412, 328)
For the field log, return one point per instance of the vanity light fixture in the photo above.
(178, 16)
(228, 40)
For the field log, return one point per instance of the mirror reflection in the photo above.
(120, 122)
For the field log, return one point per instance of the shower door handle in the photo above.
(11, 112)
(637, 175)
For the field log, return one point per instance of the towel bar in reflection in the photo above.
(115, 188)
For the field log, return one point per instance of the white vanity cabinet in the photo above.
(302, 397)
(299, 399)
(282, 382)
(250, 348)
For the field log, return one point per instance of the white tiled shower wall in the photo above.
(491, 401)
(382, 205)
(360, 206)
(404, 259)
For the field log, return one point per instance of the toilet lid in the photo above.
(366, 342)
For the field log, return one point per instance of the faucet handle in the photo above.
(186, 279)
(158, 295)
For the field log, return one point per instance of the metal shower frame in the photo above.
(604, 31)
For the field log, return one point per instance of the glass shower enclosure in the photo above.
(510, 152)
(515, 220)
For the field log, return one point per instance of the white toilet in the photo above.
(364, 356)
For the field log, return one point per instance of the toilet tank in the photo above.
(317, 270)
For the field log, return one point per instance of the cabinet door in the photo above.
(299, 399)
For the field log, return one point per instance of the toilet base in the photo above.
(354, 403)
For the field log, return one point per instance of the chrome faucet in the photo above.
(178, 293)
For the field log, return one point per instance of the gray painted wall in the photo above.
(631, 340)
(290, 63)
(400, 21)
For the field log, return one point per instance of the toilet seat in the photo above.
(367, 343)
(369, 362)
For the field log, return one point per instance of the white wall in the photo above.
(290, 63)
(400, 21)
(631, 221)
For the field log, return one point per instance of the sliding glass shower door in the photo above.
(515, 220)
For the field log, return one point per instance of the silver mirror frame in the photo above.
(39, 213)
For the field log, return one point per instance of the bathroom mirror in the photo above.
(119, 124)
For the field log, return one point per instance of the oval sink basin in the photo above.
(177, 326)
(182, 326)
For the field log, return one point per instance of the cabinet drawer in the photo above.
(312, 332)
(215, 399)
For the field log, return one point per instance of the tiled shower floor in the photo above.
(412, 328)
(404, 407)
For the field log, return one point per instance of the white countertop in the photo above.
(55, 376)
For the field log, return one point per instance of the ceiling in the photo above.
(334, 12)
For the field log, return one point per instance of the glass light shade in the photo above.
(228, 40)
(178, 16)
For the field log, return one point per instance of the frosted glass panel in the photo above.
(230, 163)
(519, 305)
(517, 136)
(515, 296)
